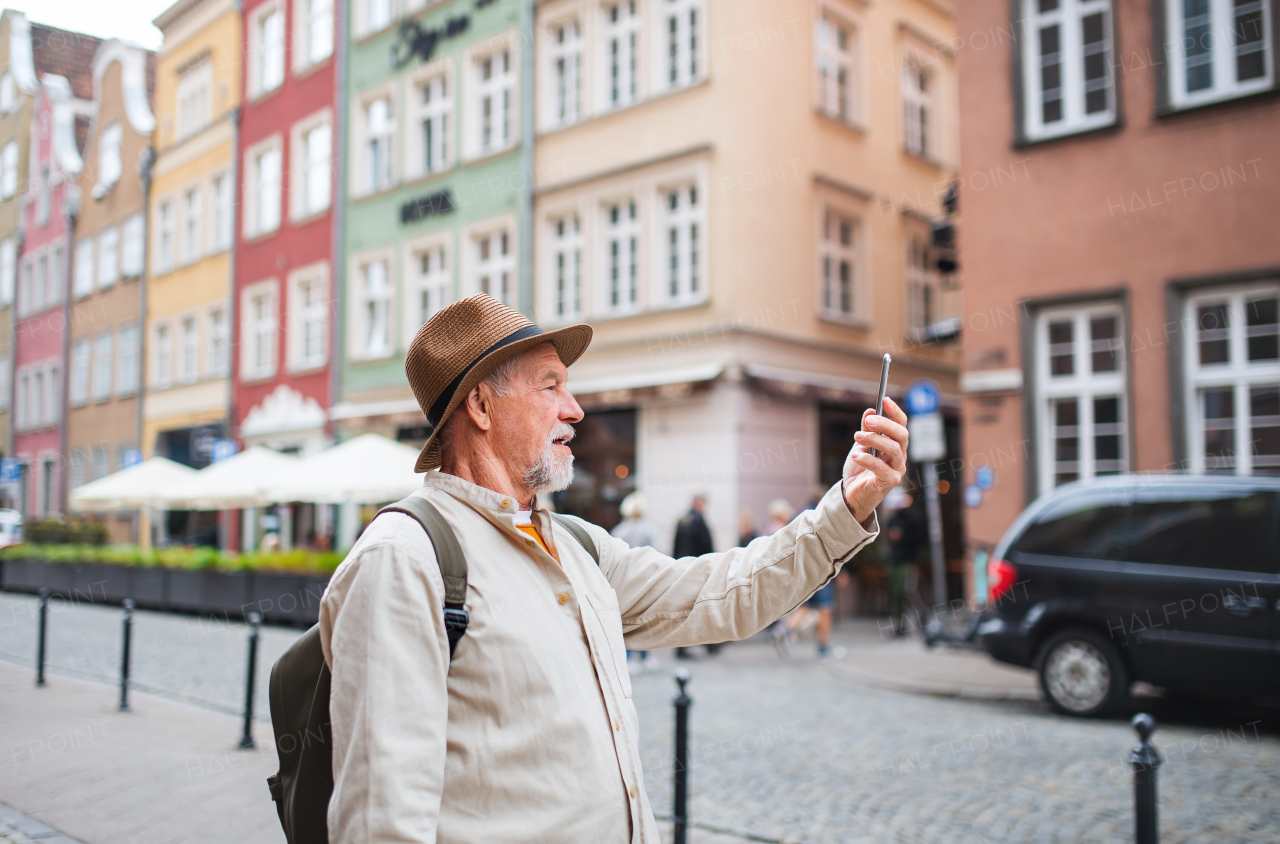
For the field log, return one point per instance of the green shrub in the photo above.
(178, 557)
(57, 532)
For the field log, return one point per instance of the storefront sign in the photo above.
(440, 202)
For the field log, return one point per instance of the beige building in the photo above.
(104, 367)
(737, 195)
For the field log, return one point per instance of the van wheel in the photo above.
(1082, 674)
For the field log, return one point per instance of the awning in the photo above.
(367, 469)
(129, 489)
(244, 480)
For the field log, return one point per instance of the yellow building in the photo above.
(737, 195)
(188, 317)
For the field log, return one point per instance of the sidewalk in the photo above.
(163, 773)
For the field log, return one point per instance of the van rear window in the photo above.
(1077, 530)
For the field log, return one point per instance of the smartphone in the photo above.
(884, 386)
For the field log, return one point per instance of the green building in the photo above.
(435, 164)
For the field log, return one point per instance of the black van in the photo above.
(1169, 579)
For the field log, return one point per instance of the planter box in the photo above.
(149, 587)
(30, 575)
(97, 584)
(287, 598)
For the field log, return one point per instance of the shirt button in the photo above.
(617, 725)
(564, 597)
(506, 502)
(632, 791)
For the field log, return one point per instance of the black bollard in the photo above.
(680, 813)
(124, 655)
(246, 738)
(1145, 761)
(40, 635)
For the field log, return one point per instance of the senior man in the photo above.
(530, 734)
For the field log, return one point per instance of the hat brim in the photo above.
(569, 342)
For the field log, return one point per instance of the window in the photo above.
(621, 36)
(1081, 403)
(8, 93)
(1226, 529)
(917, 105)
(263, 190)
(921, 304)
(839, 260)
(40, 284)
(567, 267)
(23, 399)
(1081, 527)
(5, 364)
(108, 269)
(164, 237)
(495, 266)
(58, 275)
(566, 72)
(267, 51)
(683, 239)
(378, 14)
(435, 105)
(1218, 49)
(101, 461)
(622, 236)
(77, 469)
(308, 320)
(218, 360)
(429, 287)
(258, 357)
(79, 386)
(162, 370)
(313, 38)
(317, 145)
(222, 210)
(127, 359)
(1067, 66)
(374, 341)
(103, 348)
(108, 158)
(131, 250)
(1233, 381)
(9, 170)
(44, 196)
(681, 22)
(24, 287)
(194, 101)
(495, 90)
(188, 350)
(379, 128)
(8, 270)
(834, 50)
(191, 214)
(53, 395)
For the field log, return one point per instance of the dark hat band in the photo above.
(437, 410)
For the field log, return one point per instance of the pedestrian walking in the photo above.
(527, 731)
(906, 537)
(693, 539)
(746, 528)
(637, 533)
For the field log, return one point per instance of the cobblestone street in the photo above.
(794, 751)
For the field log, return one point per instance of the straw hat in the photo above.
(463, 343)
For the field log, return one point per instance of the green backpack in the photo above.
(300, 679)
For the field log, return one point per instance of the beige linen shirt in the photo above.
(530, 735)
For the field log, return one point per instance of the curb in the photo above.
(926, 687)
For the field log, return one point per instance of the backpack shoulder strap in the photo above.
(453, 565)
(579, 533)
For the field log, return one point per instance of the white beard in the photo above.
(551, 473)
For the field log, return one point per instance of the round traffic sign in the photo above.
(923, 397)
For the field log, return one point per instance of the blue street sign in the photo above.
(984, 477)
(923, 397)
(131, 457)
(972, 496)
(10, 470)
(222, 449)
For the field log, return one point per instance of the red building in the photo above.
(284, 250)
(58, 131)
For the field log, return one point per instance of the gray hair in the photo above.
(502, 381)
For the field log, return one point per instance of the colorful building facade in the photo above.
(189, 309)
(104, 361)
(284, 249)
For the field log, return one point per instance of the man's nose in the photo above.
(570, 412)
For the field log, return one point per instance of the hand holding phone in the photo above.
(884, 386)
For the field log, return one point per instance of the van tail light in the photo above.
(1001, 576)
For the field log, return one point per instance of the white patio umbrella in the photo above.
(141, 485)
(367, 469)
(233, 483)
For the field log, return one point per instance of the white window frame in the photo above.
(680, 39)
(162, 354)
(920, 109)
(494, 106)
(9, 170)
(311, 181)
(194, 96)
(8, 270)
(426, 293)
(832, 252)
(166, 235)
(1238, 374)
(133, 242)
(191, 244)
(217, 359)
(259, 330)
(187, 348)
(78, 388)
(128, 358)
(109, 168)
(922, 287)
(829, 60)
(309, 306)
(1225, 84)
(221, 194)
(683, 241)
(620, 52)
(364, 180)
(492, 261)
(6, 375)
(622, 256)
(266, 49)
(373, 16)
(358, 345)
(563, 92)
(1069, 18)
(311, 18)
(84, 268)
(565, 272)
(1084, 385)
(108, 257)
(439, 113)
(264, 178)
(104, 345)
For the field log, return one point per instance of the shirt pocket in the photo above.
(605, 604)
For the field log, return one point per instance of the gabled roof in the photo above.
(61, 52)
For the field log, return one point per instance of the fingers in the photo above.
(884, 473)
(894, 412)
(890, 450)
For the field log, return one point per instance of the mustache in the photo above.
(563, 431)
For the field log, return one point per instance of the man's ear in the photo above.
(479, 405)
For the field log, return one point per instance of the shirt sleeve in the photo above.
(730, 595)
(382, 627)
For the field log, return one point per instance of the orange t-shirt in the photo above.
(524, 524)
